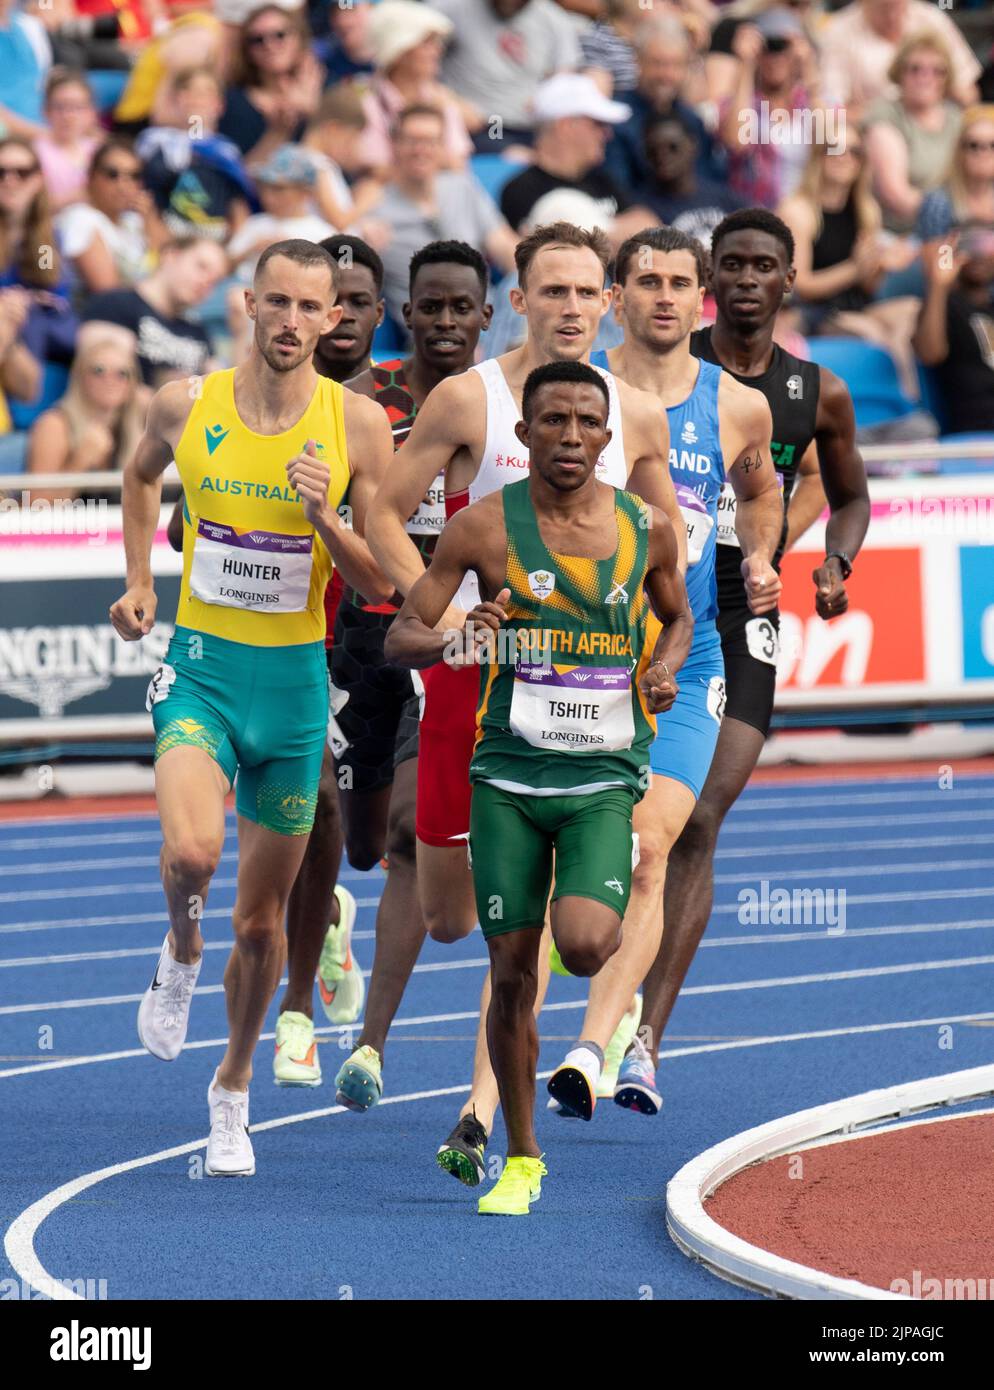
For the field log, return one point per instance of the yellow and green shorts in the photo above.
(260, 712)
(515, 837)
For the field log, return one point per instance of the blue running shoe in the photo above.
(636, 1085)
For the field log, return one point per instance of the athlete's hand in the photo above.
(133, 615)
(831, 598)
(311, 477)
(659, 687)
(762, 585)
(472, 644)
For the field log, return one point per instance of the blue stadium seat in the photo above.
(932, 396)
(493, 172)
(107, 87)
(13, 452)
(388, 341)
(54, 380)
(870, 374)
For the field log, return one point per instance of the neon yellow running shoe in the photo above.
(340, 982)
(556, 961)
(615, 1051)
(359, 1083)
(295, 1062)
(518, 1186)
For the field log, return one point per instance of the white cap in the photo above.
(396, 26)
(568, 205)
(574, 94)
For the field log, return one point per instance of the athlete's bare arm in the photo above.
(474, 539)
(133, 615)
(370, 446)
(448, 433)
(807, 501)
(667, 594)
(647, 447)
(746, 427)
(843, 476)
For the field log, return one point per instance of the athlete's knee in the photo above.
(401, 841)
(363, 853)
(449, 922)
(190, 863)
(259, 929)
(700, 834)
(654, 851)
(585, 950)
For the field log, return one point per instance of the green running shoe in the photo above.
(614, 1053)
(360, 1081)
(463, 1151)
(295, 1062)
(518, 1186)
(340, 982)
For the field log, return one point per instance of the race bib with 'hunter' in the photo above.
(262, 571)
(573, 709)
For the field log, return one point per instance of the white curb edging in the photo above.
(730, 1257)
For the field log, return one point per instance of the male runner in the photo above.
(717, 429)
(753, 254)
(265, 453)
(377, 770)
(567, 701)
(466, 428)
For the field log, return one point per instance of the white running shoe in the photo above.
(164, 1012)
(229, 1148)
(295, 1062)
(340, 982)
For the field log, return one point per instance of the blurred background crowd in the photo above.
(151, 149)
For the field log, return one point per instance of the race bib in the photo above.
(158, 686)
(573, 709)
(697, 519)
(762, 640)
(258, 570)
(716, 698)
(726, 516)
(429, 518)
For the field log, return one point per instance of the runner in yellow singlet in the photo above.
(267, 453)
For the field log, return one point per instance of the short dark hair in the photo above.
(660, 239)
(359, 252)
(560, 234)
(673, 117)
(754, 220)
(417, 108)
(575, 373)
(301, 253)
(449, 253)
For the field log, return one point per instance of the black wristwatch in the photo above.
(843, 560)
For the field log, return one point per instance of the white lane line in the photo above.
(920, 895)
(739, 826)
(776, 982)
(115, 890)
(20, 1235)
(885, 870)
(854, 846)
(761, 939)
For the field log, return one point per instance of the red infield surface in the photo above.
(878, 1209)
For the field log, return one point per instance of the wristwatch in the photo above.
(843, 560)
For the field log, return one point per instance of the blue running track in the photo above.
(773, 1019)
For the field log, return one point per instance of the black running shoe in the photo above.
(462, 1153)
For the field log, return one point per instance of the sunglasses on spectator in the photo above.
(23, 172)
(114, 172)
(121, 373)
(979, 146)
(269, 36)
(926, 70)
(777, 45)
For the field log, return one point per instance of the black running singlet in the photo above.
(791, 386)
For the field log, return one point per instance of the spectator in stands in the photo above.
(499, 51)
(676, 194)
(608, 45)
(332, 141)
(721, 62)
(167, 342)
(73, 135)
(191, 41)
(407, 41)
(777, 80)
(842, 256)
(109, 238)
(286, 187)
(81, 41)
(346, 51)
(860, 42)
(97, 424)
(30, 258)
(664, 53)
(910, 140)
(276, 83)
(425, 203)
(967, 195)
(20, 371)
(25, 55)
(194, 174)
(572, 121)
(955, 330)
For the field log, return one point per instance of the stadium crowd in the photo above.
(150, 150)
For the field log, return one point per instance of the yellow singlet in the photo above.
(254, 568)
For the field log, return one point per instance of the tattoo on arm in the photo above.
(751, 462)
